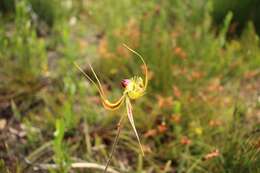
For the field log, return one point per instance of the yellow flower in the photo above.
(198, 131)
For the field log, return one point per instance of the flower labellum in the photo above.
(125, 83)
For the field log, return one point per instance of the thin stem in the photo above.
(115, 142)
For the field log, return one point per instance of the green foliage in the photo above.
(223, 32)
(23, 45)
(16, 112)
(3, 168)
(59, 148)
(49, 11)
(7, 6)
(243, 11)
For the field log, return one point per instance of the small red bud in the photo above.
(125, 82)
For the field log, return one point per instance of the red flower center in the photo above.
(125, 82)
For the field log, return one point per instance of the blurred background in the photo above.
(202, 103)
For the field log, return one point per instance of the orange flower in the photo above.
(180, 52)
(157, 9)
(133, 32)
(165, 102)
(250, 74)
(213, 154)
(176, 92)
(83, 44)
(175, 34)
(215, 123)
(258, 143)
(215, 85)
(185, 140)
(123, 52)
(196, 74)
(150, 133)
(162, 128)
(103, 49)
(177, 50)
(176, 118)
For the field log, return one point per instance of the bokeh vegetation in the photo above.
(201, 112)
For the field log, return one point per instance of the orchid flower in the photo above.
(134, 88)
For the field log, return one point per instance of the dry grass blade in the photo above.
(76, 165)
